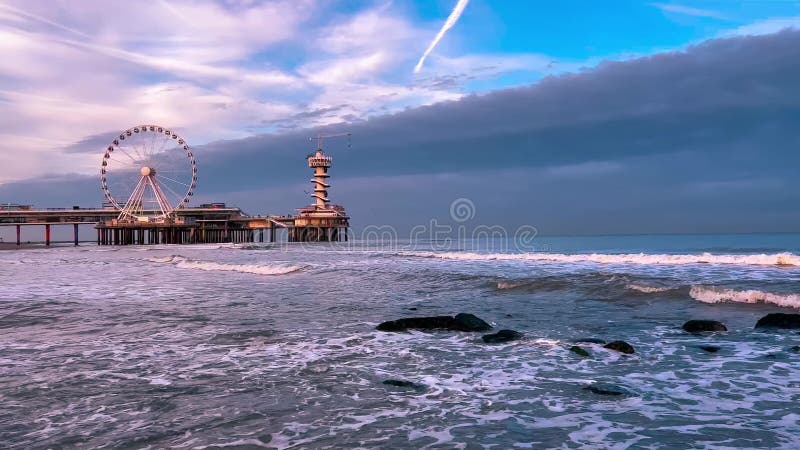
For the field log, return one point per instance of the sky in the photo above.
(577, 117)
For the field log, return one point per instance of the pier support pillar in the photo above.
(47, 235)
(18, 234)
(75, 233)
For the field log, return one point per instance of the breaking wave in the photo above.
(776, 259)
(595, 283)
(622, 284)
(257, 269)
(714, 294)
(647, 289)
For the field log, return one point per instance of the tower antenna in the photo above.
(320, 137)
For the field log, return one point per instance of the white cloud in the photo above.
(357, 59)
(370, 29)
(688, 10)
(489, 66)
(767, 26)
(346, 69)
(105, 67)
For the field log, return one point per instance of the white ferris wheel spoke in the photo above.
(174, 181)
(126, 154)
(163, 201)
(178, 198)
(164, 139)
(147, 147)
(138, 150)
(127, 164)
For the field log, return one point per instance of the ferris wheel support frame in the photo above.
(134, 204)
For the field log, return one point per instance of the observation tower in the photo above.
(321, 221)
(320, 162)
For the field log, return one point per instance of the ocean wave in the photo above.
(167, 259)
(545, 284)
(257, 269)
(601, 280)
(776, 259)
(595, 282)
(648, 289)
(714, 294)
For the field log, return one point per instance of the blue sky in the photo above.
(569, 87)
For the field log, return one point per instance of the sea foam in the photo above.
(257, 269)
(647, 289)
(777, 259)
(714, 294)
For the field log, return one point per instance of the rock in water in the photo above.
(461, 322)
(579, 351)
(417, 323)
(710, 348)
(699, 326)
(620, 346)
(470, 322)
(403, 384)
(607, 389)
(779, 320)
(502, 336)
(592, 341)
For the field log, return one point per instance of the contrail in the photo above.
(451, 20)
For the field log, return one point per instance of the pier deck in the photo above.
(188, 226)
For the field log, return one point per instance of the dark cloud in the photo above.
(93, 144)
(295, 121)
(700, 140)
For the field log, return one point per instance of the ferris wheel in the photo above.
(147, 173)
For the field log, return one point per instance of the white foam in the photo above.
(257, 269)
(713, 294)
(776, 259)
(648, 289)
(167, 259)
(502, 285)
(160, 381)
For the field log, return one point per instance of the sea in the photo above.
(274, 345)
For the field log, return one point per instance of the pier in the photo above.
(154, 213)
(201, 225)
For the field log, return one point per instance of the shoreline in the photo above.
(35, 245)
